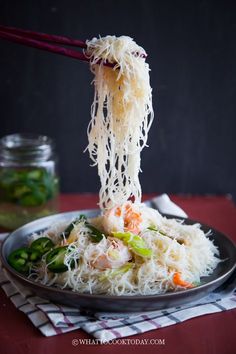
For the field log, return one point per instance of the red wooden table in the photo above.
(210, 334)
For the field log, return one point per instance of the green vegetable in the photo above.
(70, 227)
(27, 187)
(42, 245)
(22, 259)
(109, 273)
(153, 228)
(95, 234)
(135, 242)
(55, 260)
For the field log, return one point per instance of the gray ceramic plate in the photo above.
(107, 303)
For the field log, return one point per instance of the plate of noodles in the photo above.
(125, 256)
(73, 258)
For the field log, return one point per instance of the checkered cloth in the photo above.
(52, 319)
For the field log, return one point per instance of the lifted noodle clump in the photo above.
(122, 114)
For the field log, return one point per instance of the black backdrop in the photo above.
(191, 51)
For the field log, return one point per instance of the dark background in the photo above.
(191, 49)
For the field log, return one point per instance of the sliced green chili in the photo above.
(28, 187)
(55, 260)
(22, 259)
(42, 245)
(70, 227)
(95, 234)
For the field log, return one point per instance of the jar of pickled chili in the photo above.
(28, 179)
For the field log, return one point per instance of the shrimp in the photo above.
(115, 256)
(124, 218)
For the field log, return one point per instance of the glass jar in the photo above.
(28, 179)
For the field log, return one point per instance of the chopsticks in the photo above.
(50, 43)
(44, 41)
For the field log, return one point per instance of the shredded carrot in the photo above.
(118, 211)
(179, 281)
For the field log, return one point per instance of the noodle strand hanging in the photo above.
(122, 114)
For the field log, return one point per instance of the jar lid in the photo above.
(16, 147)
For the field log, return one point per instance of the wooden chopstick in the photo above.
(46, 42)
(44, 36)
(44, 46)
(41, 41)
